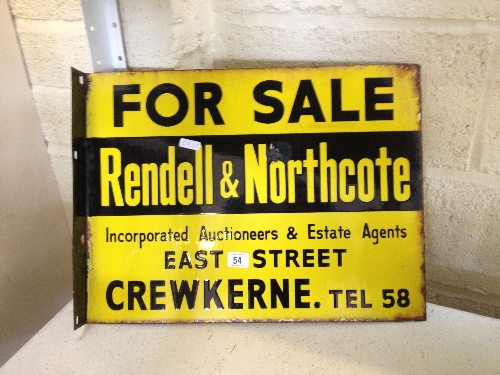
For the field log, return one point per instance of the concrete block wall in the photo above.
(161, 34)
(456, 42)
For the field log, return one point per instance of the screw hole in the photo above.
(120, 58)
(114, 24)
(92, 28)
(98, 62)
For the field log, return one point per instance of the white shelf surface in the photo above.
(450, 342)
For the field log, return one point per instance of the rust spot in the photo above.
(422, 266)
(88, 232)
(397, 318)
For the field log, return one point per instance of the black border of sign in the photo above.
(81, 230)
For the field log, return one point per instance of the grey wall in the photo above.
(35, 247)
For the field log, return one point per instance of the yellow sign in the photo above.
(248, 195)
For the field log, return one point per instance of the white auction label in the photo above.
(238, 260)
(190, 144)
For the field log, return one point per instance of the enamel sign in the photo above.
(248, 195)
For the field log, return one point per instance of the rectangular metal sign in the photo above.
(248, 195)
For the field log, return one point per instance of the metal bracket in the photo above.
(104, 33)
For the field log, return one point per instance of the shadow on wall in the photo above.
(35, 271)
(35, 243)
